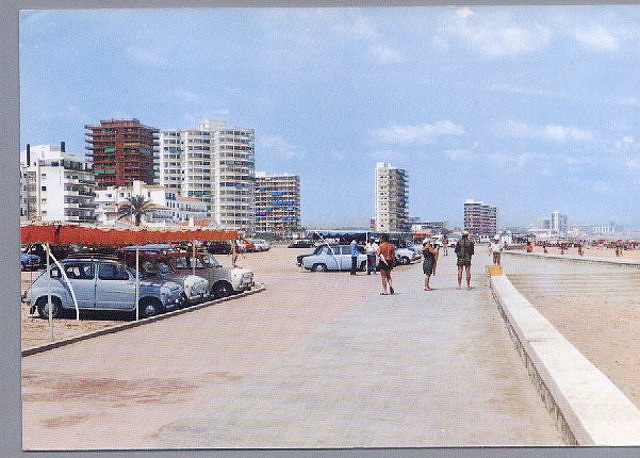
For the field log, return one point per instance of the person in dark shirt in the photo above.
(430, 255)
(464, 251)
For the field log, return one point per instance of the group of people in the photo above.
(382, 257)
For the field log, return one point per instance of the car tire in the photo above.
(319, 268)
(41, 304)
(150, 307)
(363, 266)
(404, 260)
(184, 302)
(221, 289)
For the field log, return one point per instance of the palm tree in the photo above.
(135, 206)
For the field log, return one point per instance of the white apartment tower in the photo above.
(392, 196)
(215, 164)
(55, 186)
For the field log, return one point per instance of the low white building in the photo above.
(171, 207)
(55, 186)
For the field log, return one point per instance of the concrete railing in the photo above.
(588, 407)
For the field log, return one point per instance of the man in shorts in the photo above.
(387, 254)
(464, 251)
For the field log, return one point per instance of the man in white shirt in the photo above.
(496, 249)
(372, 249)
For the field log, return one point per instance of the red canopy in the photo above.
(82, 235)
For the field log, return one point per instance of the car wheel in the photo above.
(222, 289)
(184, 302)
(43, 307)
(405, 260)
(319, 268)
(363, 266)
(150, 307)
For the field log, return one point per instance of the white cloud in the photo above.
(514, 159)
(358, 27)
(464, 13)
(185, 95)
(515, 89)
(420, 133)
(551, 132)
(384, 154)
(278, 145)
(387, 54)
(633, 164)
(497, 35)
(630, 101)
(146, 56)
(459, 154)
(596, 37)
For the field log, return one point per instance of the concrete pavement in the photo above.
(411, 370)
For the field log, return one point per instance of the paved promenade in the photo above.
(318, 360)
(413, 369)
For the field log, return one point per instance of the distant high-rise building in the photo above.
(215, 164)
(277, 203)
(392, 198)
(55, 186)
(480, 219)
(122, 151)
(558, 222)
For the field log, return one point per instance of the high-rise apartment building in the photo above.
(480, 219)
(558, 222)
(55, 186)
(122, 151)
(215, 164)
(392, 198)
(277, 203)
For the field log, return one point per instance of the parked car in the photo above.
(219, 248)
(407, 255)
(317, 250)
(30, 261)
(160, 265)
(223, 281)
(260, 244)
(246, 246)
(302, 244)
(100, 284)
(453, 243)
(333, 258)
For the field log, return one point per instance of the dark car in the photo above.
(30, 261)
(219, 248)
(302, 244)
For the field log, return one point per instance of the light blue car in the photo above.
(333, 258)
(100, 284)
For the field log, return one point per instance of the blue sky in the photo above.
(531, 109)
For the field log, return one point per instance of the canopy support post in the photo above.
(49, 301)
(137, 282)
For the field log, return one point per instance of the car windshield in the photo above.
(210, 261)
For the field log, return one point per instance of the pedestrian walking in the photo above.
(387, 255)
(235, 252)
(495, 249)
(371, 249)
(544, 247)
(580, 249)
(464, 251)
(430, 254)
(529, 247)
(354, 256)
(445, 245)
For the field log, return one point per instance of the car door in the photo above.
(332, 257)
(115, 287)
(82, 278)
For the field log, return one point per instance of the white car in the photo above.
(407, 255)
(260, 245)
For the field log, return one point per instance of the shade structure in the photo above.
(83, 235)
